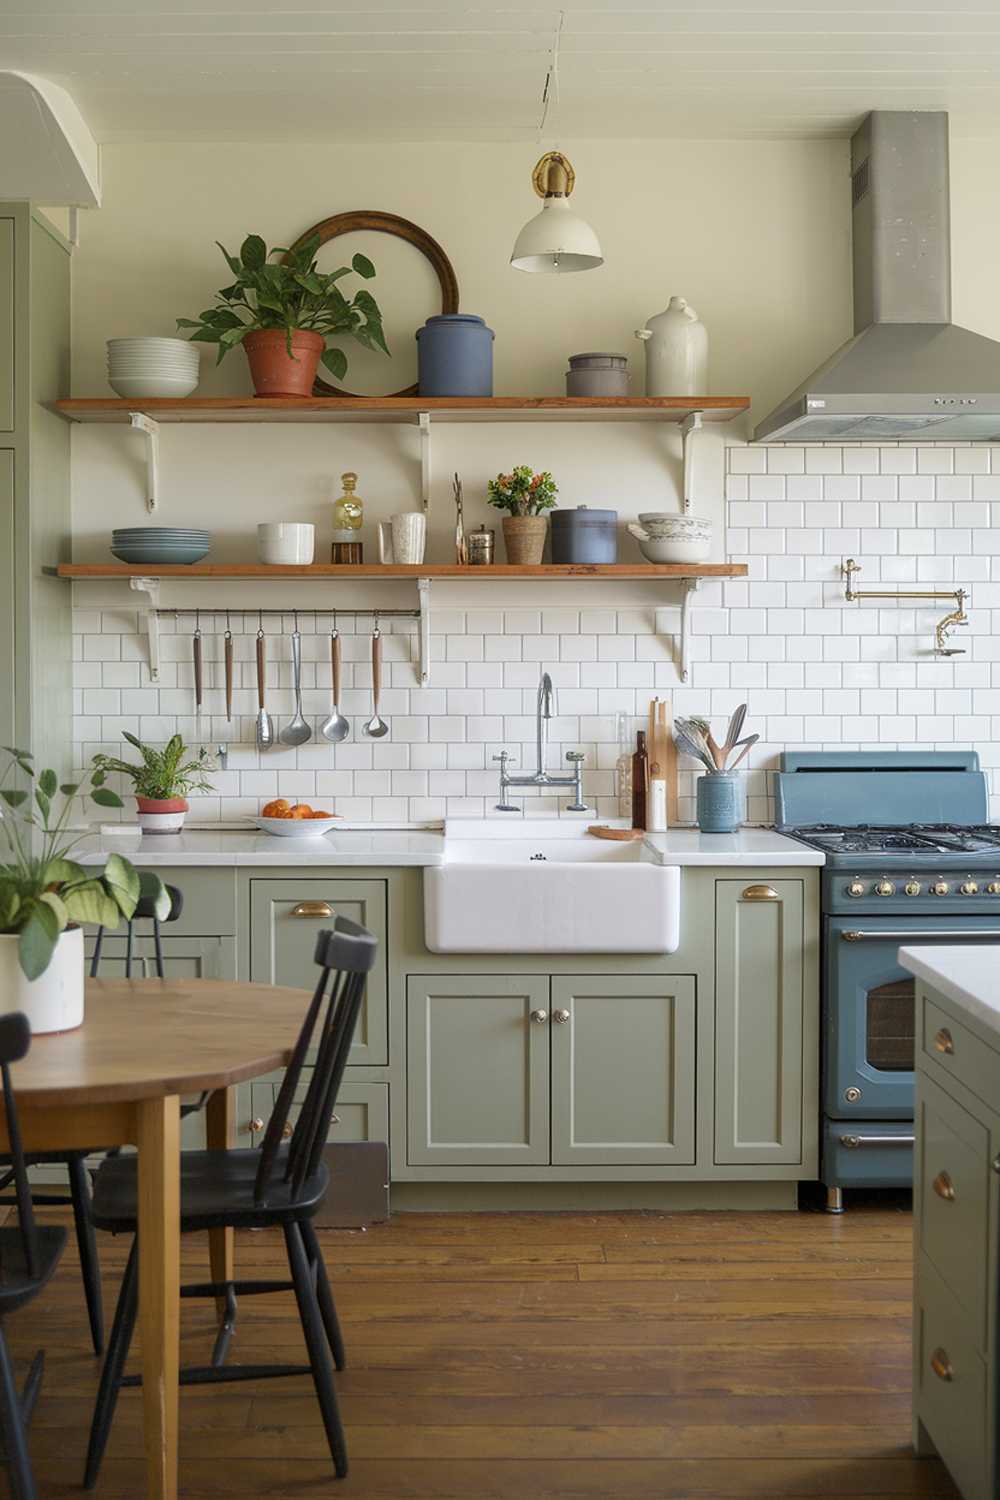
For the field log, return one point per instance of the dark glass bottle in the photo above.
(640, 773)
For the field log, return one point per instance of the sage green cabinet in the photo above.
(6, 325)
(362, 1112)
(6, 596)
(183, 958)
(759, 998)
(623, 1070)
(477, 1050)
(286, 915)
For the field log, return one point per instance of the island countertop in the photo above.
(968, 975)
(416, 847)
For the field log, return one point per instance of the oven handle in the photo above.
(939, 935)
(852, 1142)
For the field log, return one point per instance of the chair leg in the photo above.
(159, 949)
(319, 1353)
(95, 962)
(86, 1240)
(15, 1439)
(128, 951)
(114, 1364)
(324, 1295)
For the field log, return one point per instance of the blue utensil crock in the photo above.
(720, 802)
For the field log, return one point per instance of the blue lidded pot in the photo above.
(455, 356)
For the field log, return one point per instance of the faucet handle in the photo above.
(503, 757)
(576, 756)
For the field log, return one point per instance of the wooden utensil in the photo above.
(619, 835)
(669, 760)
(228, 652)
(461, 546)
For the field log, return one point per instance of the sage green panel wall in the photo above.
(183, 958)
(283, 938)
(477, 1069)
(623, 1069)
(6, 325)
(7, 618)
(759, 994)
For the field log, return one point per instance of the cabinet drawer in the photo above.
(361, 1113)
(954, 1199)
(286, 915)
(950, 1386)
(950, 1050)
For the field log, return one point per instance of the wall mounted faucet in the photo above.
(545, 710)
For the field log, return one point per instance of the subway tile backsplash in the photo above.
(816, 671)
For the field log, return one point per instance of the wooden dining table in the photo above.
(117, 1080)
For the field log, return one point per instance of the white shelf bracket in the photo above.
(690, 588)
(689, 427)
(424, 598)
(150, 587)
(150, 430)
(424, 421)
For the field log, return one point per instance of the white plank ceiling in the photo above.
(329, 71)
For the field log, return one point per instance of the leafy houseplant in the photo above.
(45, 895)
(526, 496)
(283, 312)
(161, 780)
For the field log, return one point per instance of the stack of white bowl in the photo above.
(152, 367)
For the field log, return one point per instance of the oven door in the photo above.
(869, 1009)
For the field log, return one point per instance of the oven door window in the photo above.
(890, 1010)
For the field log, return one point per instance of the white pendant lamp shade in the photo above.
(556, 239)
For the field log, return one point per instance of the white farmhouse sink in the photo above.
(547, 887)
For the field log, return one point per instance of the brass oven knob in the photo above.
(969, 888)
(993, 888)
(912, 888)
(885, 888)
(940, 888)
(856, 888)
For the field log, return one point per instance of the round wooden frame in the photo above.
(385, 223)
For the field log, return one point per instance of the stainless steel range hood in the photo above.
(908, 372)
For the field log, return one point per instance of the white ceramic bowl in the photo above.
(284, 543)
(673, 539)
(297, 828)
(153, 385)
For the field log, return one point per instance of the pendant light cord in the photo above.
(550, 89)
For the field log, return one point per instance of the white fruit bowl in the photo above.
(297, 828)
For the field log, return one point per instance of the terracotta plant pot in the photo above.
(273, 372)
(524, 539)
(161, 814)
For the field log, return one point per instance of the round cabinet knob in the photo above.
(560, 1016)
(885, 888)
(994, 888)
(912, 888)
(969, 888)
(940, 888)
(286, 1130)
(539, 1017)
(856, 888)
(944, 1042)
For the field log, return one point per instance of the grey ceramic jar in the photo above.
(584, 535)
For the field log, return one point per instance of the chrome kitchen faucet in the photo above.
(545, 709)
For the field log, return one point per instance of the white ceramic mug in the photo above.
(403, 537)
(286, 542)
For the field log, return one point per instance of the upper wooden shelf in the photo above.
(406, 409)
(347, 571)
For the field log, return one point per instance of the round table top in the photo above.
(146, 1038)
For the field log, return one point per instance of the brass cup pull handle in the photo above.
(312, 909)
(760, 893)
(941, 1365)
(943, 1042)
(944, 1187)
(539, 1017)
(560, 1016)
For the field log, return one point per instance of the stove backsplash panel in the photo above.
(816, 672)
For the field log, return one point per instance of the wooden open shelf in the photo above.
(403, 570)
(406, 409)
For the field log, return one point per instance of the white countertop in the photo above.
(681, 846)
(967, 975)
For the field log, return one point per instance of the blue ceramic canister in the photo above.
(584, 535)
(720, 801)
(455, 356)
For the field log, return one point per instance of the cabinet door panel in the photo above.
(623, 1070)
(283, 936)
(6, 325)
(183, 958)
(759, 994)
(477, 1069)
(6, 591)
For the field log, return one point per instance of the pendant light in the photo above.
(556, 239)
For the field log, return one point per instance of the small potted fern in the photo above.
(161, 781)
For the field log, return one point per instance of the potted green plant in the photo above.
(283, 312)
(525, 496)
(45, 896)
(161, 780)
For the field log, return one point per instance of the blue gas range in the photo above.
(910, 858)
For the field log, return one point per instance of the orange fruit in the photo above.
(277, 809)
(300, 810)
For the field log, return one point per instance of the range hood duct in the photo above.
(909, 372)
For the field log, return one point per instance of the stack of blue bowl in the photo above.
(147, 545)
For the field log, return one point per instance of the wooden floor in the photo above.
(528, 1357)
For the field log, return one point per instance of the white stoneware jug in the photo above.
(676, 351)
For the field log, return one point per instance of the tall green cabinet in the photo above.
(35, 642)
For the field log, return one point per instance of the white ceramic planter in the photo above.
(161, 816)
(53, 1001)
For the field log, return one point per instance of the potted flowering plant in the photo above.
(525, 496)
(45, 896)
(161, 780)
